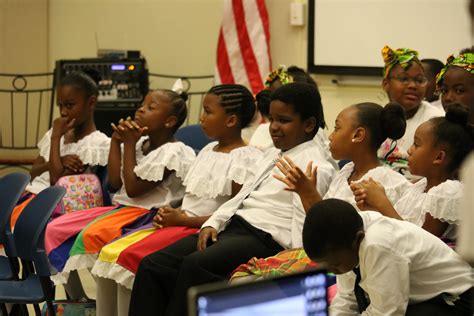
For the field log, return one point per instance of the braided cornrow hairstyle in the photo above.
(178, 106)
(236, 99)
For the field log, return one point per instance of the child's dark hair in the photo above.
(382, 122)
(236, 99)
(82, 81)
(300, 75)
(178, 106)
(330, 224)
(263, 102)
(304, 98)
(456, 133)
(467, 50)
(435, 65)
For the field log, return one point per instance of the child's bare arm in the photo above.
(114, 163)
(434, 226)
(60, 166)
(168, 216)
(297, 181)
(39, 166)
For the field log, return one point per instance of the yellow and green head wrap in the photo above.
(401, 56)
(465, 61)
(279, 73)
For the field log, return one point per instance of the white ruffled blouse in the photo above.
(174, 156)
(394, 183)
(442, 202)
(93, 150)
(209, 180)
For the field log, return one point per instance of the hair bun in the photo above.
(458, 114)
(184, 95)
(393, 121)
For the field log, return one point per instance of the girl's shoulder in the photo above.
(387, 176)
(213, 172)
(444, 200)
(449, 188)
(174, 156)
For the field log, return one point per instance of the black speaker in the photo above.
(122, 86)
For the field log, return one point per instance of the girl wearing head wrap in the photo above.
(404, 82)
(455, 82)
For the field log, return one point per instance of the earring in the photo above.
(353, 140)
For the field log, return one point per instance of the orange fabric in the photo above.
(18, 210)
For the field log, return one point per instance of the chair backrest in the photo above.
(193, 136)
(11, 187)
(31, 225)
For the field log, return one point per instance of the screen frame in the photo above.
(335, 70)
(209, 289)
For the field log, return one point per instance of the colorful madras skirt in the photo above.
(73, 241)
(120, 259)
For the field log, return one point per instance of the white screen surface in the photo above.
(351, 33)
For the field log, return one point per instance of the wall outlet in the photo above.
(297, 13)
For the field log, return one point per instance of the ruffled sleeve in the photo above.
(443, 201)
(243, 166)
(94, 149)
(213, 173)
(394, 183)
(44, 145)
(174, 156)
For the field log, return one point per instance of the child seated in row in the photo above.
(217, 175)
(405, 82)
(359, 130)
(73, 145)
(146, 165)
(277, 78)
(386, 266)
(432, 68)
(455, 82)
(260, 220)
(439, 148)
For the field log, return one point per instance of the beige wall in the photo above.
(176, 36)
(180, 37)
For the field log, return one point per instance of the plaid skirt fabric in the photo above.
(287, 261)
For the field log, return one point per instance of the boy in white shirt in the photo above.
(261, 220)
(402, 268)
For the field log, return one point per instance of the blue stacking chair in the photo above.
(28, 238)
(11, 188)
(193, 136)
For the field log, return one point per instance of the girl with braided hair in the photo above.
(217, 175)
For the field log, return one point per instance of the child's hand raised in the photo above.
(303, 184)
(294, 178)
(369, 194)
(128, 131)
(61, 125)
(168, 216)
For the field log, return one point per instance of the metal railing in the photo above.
(27, 107)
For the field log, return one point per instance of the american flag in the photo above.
(243, 49)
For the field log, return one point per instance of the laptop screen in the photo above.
(297, 294)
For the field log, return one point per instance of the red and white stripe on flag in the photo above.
(243, 49)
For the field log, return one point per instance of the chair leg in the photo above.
(3, 309)
(50, 308)
(37, 310)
